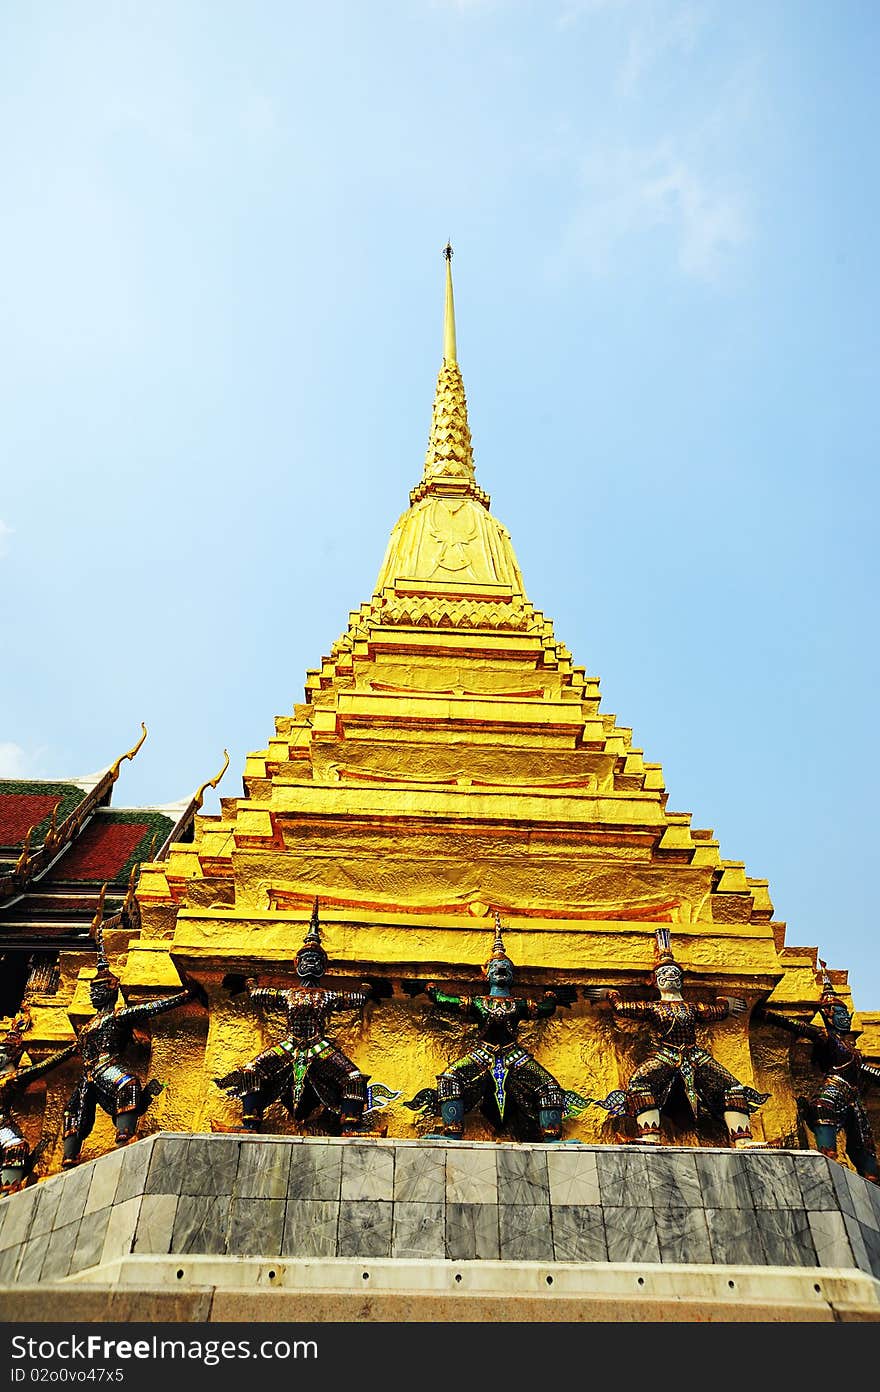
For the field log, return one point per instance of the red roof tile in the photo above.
(101, 851)
(19, 811)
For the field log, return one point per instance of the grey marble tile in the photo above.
(310, 1228)
(472, 1232)
(90, 1240)
(211, 1166)
(786, 1236)
(121, 1227)
(683, 1235)
(773, 1181)
(573, 1176)
(525, 1233)
(9, 1259)
(75, 1191)
(46, 1205)
(365, 1229)
(31, 1263)
(17, 1211)
(263, 1170)
(133, 1175)
(857, 1242)
(723, 1179)
(255, 1227)
(871, 1239)
(673, 1178)
(200, 1224)
(578, 1233)
(155, 1223)
(631, 1233)
(522, 1176)
(471, 1175)
(59, 1250)
(368, 1173)
(623, 1178)
(105, 1178)
(815, 1181)
(830, 1238)
(863, 1208)
(315, 1172)
(734, 1237)
(168, 1165)
(420, 1175)
(841, 1188)
(419, 1230)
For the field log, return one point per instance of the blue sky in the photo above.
(220, 233)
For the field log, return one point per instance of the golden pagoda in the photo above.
(448, 761)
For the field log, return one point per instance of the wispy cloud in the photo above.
(5, 534)
(657, 31)
(630, 196)
(650, 30)
(573, 10)
(17, 762)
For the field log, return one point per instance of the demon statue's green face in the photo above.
(499, 971)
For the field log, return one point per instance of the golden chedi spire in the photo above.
(449, 352)
(450, 452)
(448, 538)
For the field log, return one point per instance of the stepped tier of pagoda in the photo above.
(449, 761)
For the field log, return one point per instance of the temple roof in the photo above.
(61, 841)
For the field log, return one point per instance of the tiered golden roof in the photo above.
(449, 760)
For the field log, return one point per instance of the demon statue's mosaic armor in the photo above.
(677, 1061)
(836, 1106)
(498, 1074)
(16, 1158)
(306, 1069)
(105, 1080)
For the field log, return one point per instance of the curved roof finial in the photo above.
(96, 929)
(129, 754)
(449, 348)
(212, 782)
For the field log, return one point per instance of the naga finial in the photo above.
(96, 928)
(212, 782)
(51, 840)
(129, 754)
(22, 865)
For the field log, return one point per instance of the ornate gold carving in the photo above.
(129, 754)
(212, 782)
